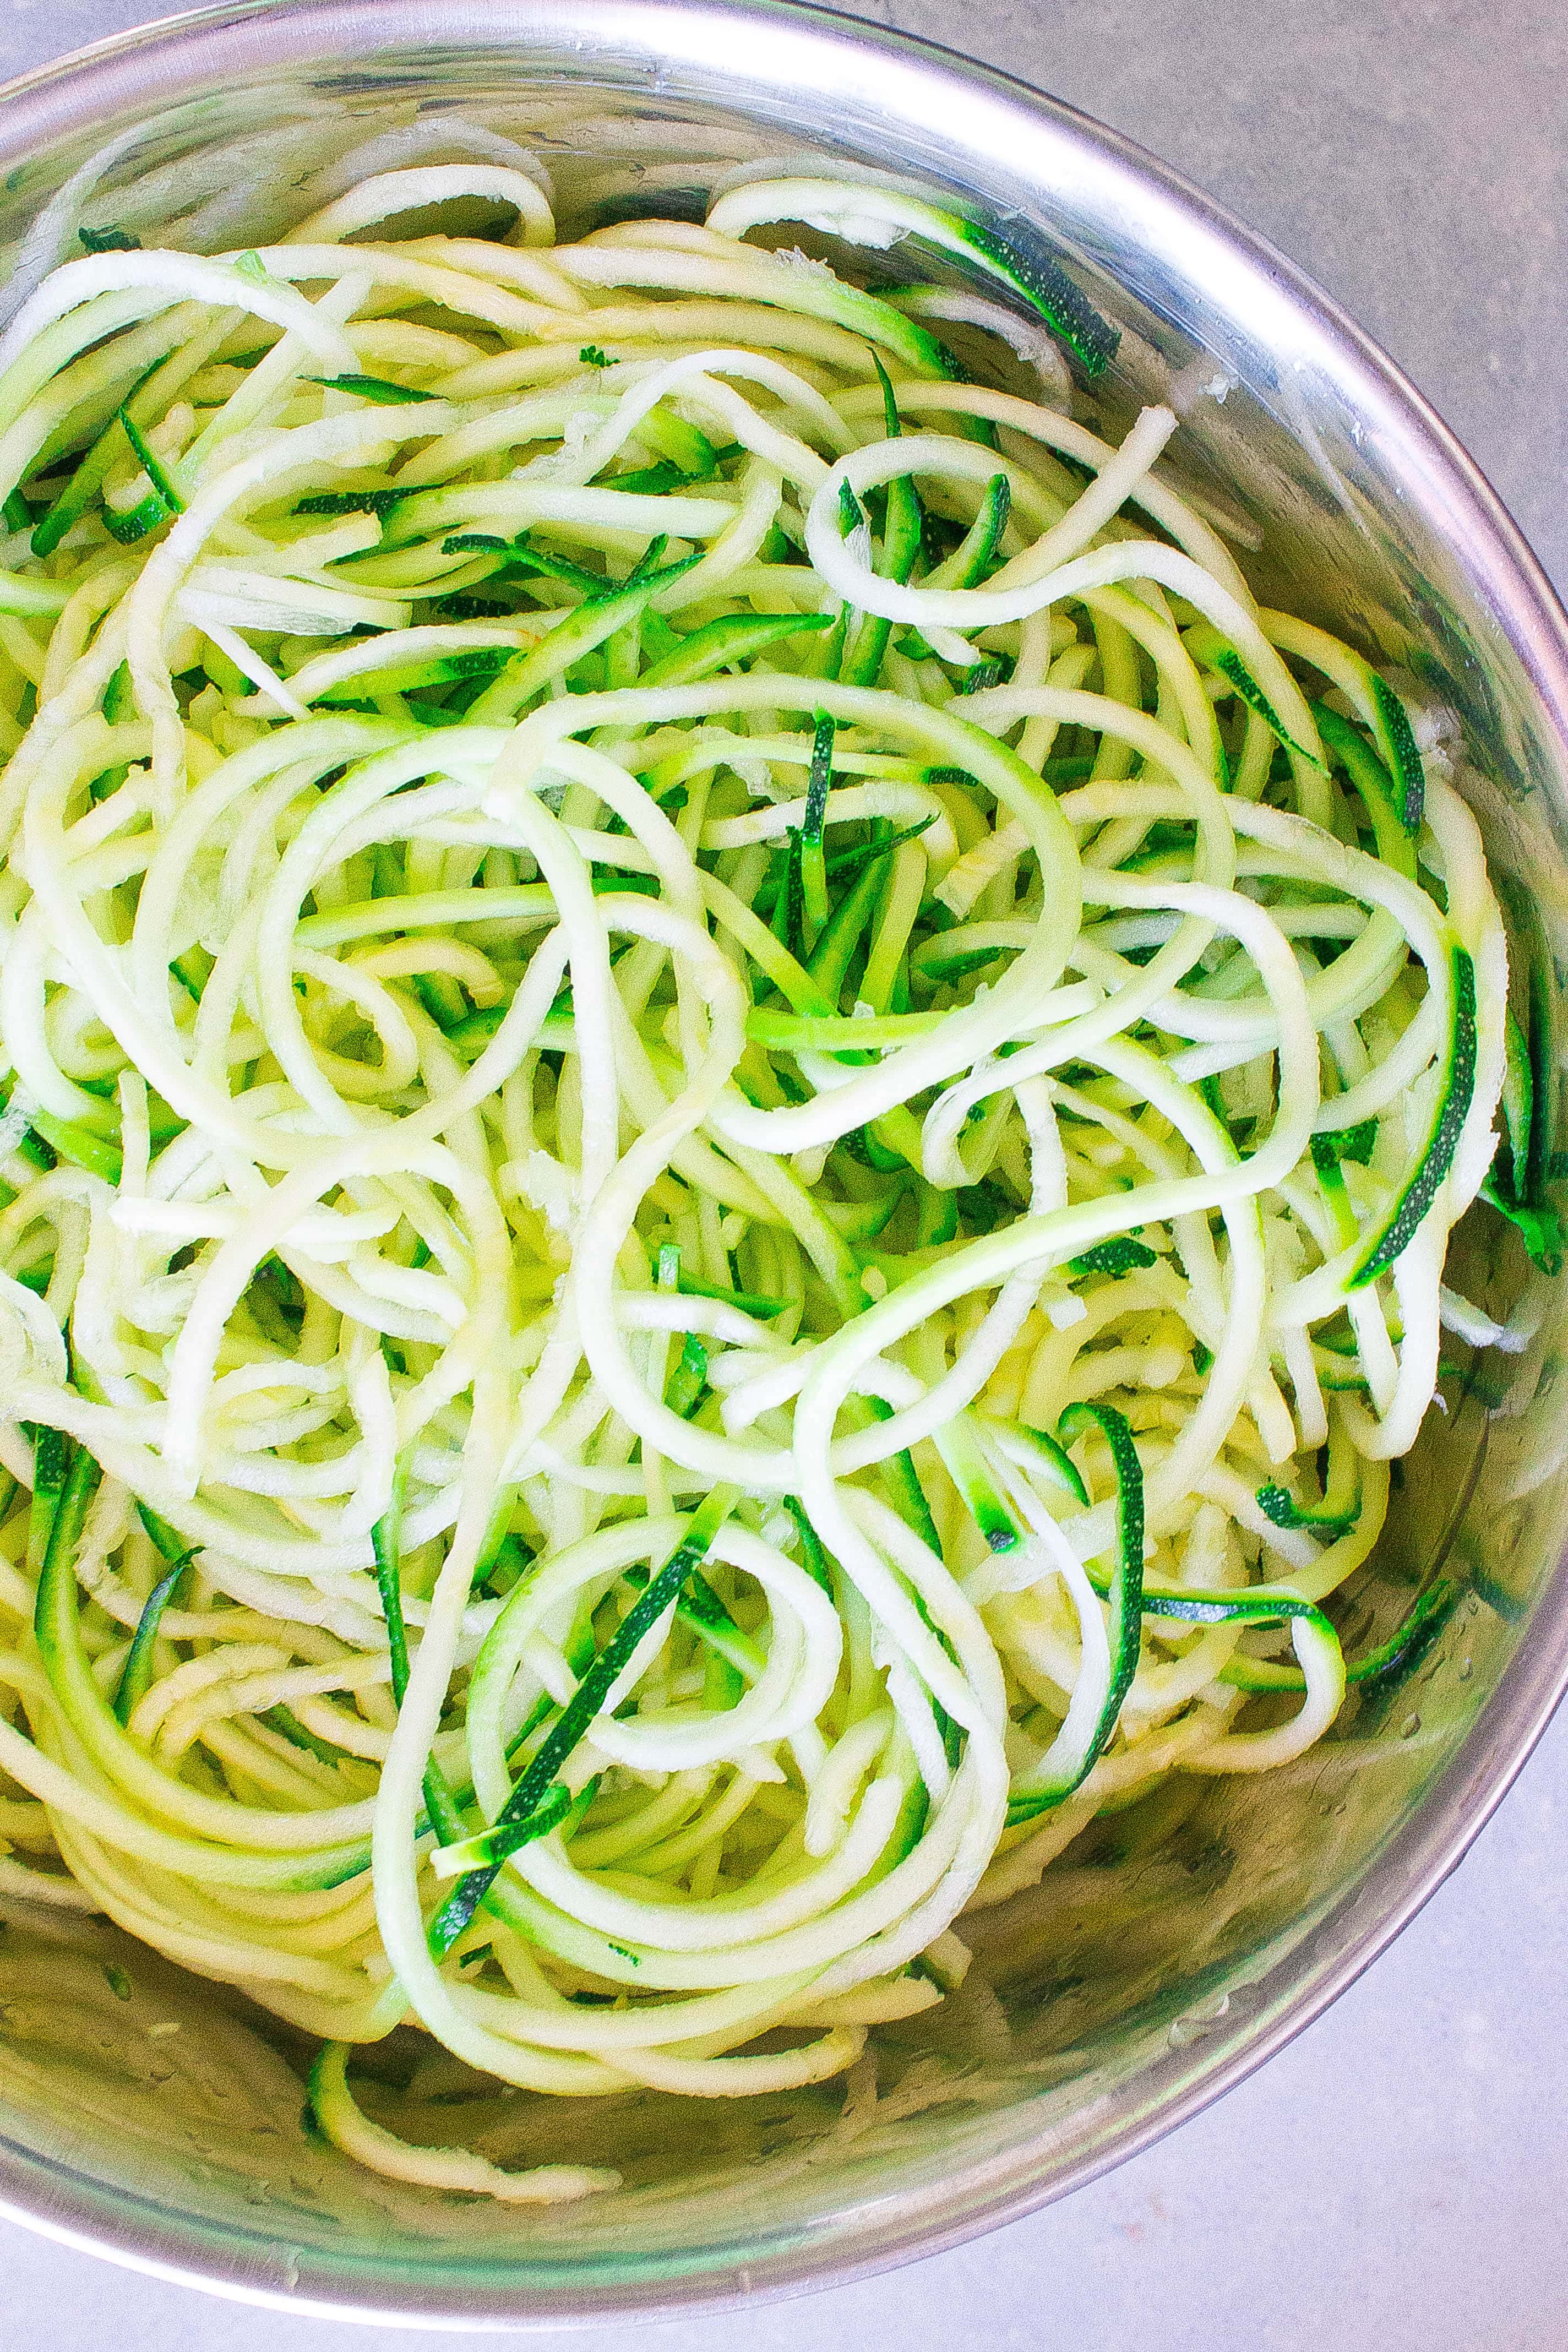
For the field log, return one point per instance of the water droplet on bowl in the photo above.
(1198, 2020)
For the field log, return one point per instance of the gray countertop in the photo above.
(1393, 2180)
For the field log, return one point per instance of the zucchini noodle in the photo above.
(731, 1110)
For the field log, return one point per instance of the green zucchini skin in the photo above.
(374, 388)
(136, 1675)
(1517, 1183)
(1401, 753)
(1399, 1227)
(1385, 803)
(1040, 277)
(1126, 1598)
(1205, 644)
(661, 1592)
(902, 524)
(1378, 1674)
(387, 1536)
(735, 637)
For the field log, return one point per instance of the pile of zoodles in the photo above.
(731, 1110)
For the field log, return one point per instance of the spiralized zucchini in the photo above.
(731, 1114)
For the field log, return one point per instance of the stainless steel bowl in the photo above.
(1177, 1946)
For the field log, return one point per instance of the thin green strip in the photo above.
(136, 1675)
(663, 1590)
(1398, 1229)
(1126, 1597)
